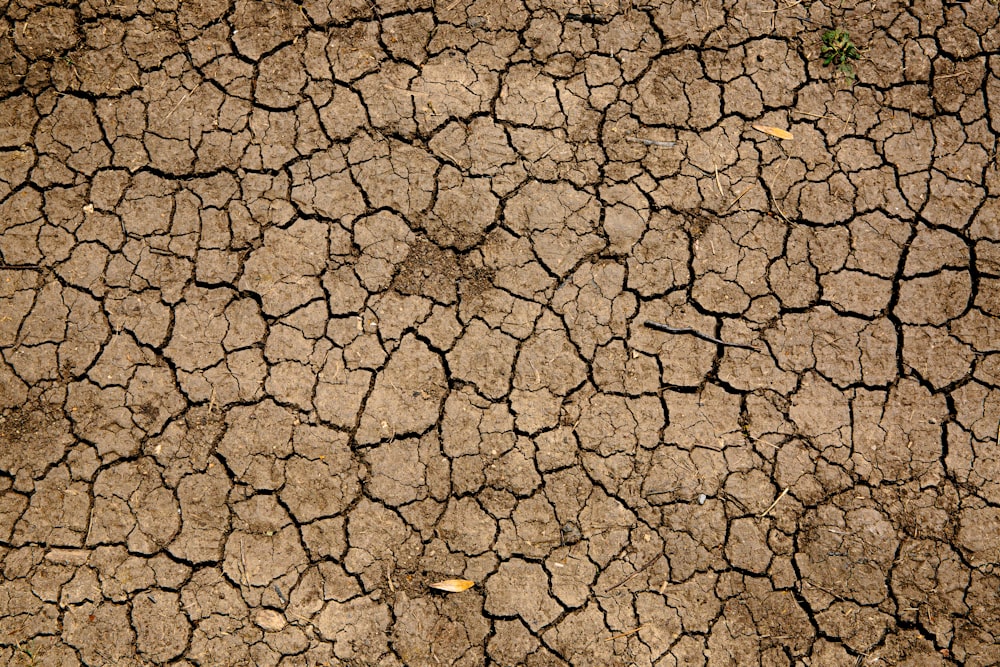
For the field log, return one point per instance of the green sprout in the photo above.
(838, 50)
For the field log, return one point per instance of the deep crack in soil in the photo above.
(308, 305)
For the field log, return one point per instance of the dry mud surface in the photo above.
(304, 307)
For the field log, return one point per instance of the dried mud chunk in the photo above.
(162, 629)
(775, 69)
(452, 86)
(22, 615)
(239, 378)
(609, 424)
(132, 507)
(659, 262)
(291, 383)
(937, 357)
(22, 218)
(204, 516)
(561, 221)
(32, 438)
(153, 398)
(515, 470)
(17, 120)
(199, 329)
(498, 308)
(930, 583)
(398, 472)
(898, 437)
(512, 263)
(385, 241)
(675, 474)
(71, 135)
(471, 425)
(581, 637)
(844, 349)
(675, 90)
(520, 588)
(746, 547)
(393, 174)
(379, 543)
(934, 299)
(340, 392)
(978, 535)
(951, 203)
(257, 439)
(528, 97)
(100, 632)
(57, 512)
(422, 621)
(265, 545)
(281, 77)
(848, 553)
(46, 323)
(484, 357)
(274, 135)
(572, 578)
(857, 293)
(821, 412)
(223, 636)
(707, 419)
(407, 395)
(510, 643)
(324, 476)
(466, 528)
(143, 314)
(99, 416)
(389, 103)
(685, 360)
(355, 51)
(257, 30)
(359, 629)
(14, 168)
(594, 306)
(323, 186)
(344, 114)
(465, 207)
(549, 360)
(627, 372)
(935, 249)
(12, 506)
(149, 44)
(481, 147)
(285, 270)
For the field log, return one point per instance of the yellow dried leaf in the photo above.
(453, 585)
(774, 131)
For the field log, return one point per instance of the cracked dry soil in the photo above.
(306, 306)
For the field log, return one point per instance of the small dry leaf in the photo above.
(774, 131)
(453, 585)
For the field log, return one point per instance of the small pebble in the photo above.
(702, 498)
(270, 620)
(571, 533)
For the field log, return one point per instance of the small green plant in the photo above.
(838, 50)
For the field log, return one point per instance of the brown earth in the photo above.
(306, 306)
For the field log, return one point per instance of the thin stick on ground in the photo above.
(625, 634)
(651, 142)
(697, 334)
(773, 505)
(809, 113)
(733, 203)
(635, 574)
